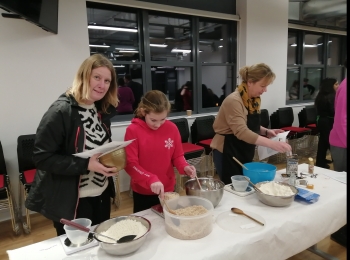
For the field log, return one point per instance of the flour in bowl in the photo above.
(123, 228)
(275, 189)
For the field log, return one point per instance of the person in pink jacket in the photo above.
(337, 136)
(155, 151)
(338, 143)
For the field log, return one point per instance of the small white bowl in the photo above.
(76, 236)
(239, 182)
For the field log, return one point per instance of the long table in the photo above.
(287, 230)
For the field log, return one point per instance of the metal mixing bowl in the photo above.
(213, 189)
(276, 201)
(116, 158)
(122, 248)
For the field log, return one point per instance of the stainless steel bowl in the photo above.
(276, 201)
(213, 189)
(122, 248)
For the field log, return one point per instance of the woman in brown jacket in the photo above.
(237, 124)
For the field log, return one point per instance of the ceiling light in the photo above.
(180, 50)
(118, 66)
(127, 51)
(158, 45)
(220, 46)
(293, 45)
(99, 46)
(310, 45)
(108, 28)
(221, 39)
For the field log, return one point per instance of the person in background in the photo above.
(338, 143)
(186, 94)
(205, 97)
(222, 97)
(136, 88)
(237, 124)
(126, 98)
(155, 151)
(324, 104)
(67, 186)
(308, 89)
(294, 90)
(214, 99)
(179, 104)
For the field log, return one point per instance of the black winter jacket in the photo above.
(54, 191)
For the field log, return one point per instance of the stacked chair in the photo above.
(298, 137)
(307, 119)
(202, 133)
(26, 167)
(7, 200)
(264, 118)
(194, 154)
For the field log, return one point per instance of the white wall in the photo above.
(37, 66)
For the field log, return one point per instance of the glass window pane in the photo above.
(131, 76)
(311, 83)
(313, 49)
(333, 51)
(334, 72)
(171, 81)
(213, 41)
(216, 81)
(293, 84)
(292, 48)
(114, 34)
(170, 38)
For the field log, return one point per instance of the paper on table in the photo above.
(338, 176)
(106, 148)
(264, 152)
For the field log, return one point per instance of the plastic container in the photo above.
(258, 171)
(189, 227)
(76, 236)
(239, 182)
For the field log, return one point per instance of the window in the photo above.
(166, 51)
(311, 58)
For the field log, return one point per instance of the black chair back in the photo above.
(285, 117)
(182, 125)
(202, 128)
(25, 147)
(264, 118)
(302, 118)
(311, 114)
(3, 170)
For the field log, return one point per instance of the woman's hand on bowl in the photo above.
(96, 166)
(190, 171)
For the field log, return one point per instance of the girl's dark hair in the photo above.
(326, 91)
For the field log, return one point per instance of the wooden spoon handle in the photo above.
(234, 158)
(199, 184)
(253, 219)
(73, 224)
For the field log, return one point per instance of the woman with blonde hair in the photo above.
(237, 124)
(66, 186)
(157, 148)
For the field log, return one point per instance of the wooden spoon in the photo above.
(199, 184)
(234, 158)
(167, 207)
(238, 211)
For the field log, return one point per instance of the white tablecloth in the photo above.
(288, 230)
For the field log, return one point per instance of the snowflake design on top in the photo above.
(169, 143)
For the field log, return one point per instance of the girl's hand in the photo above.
(190, 171)
(158, 188)
(96, 166)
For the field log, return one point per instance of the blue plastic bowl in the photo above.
(259, 171)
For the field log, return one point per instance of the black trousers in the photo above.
(97, 209)
(324, 126)
(142, 202)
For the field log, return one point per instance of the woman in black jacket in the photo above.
(324, 104)
(66, 186)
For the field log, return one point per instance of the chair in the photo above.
(7, 200)
(26, 167)
(264, 118)
(307, 118)
(194, 154)
(202, 133)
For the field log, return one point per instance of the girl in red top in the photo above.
(154, 152)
